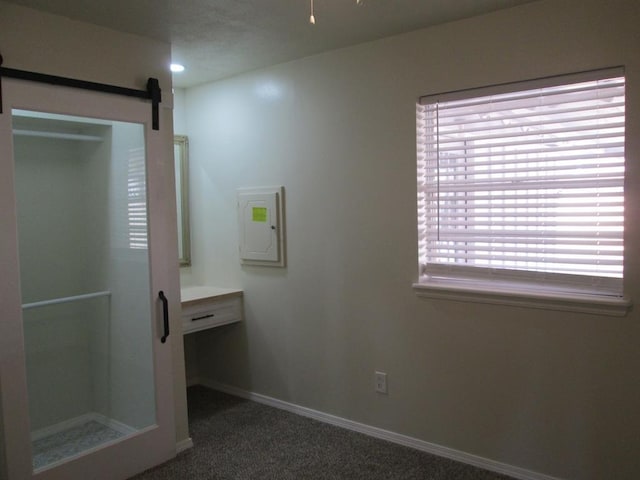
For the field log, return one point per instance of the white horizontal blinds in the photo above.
(528, 180)
(137, 199)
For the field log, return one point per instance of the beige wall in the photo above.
(52, 44)
(548, 391)
(31, 40)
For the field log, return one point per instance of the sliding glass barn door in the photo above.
(86, 382)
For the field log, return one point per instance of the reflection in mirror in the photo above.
(181, 157)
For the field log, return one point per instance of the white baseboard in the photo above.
(439, 450)
(183, 445)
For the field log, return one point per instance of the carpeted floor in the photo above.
(239, 439)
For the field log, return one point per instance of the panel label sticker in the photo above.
(259, 214)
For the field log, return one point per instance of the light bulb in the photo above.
(312, 18)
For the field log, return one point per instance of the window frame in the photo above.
(528, 288)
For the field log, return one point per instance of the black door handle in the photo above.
(165, 312)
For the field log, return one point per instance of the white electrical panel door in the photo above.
(260, 226)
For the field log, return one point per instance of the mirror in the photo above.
(181, 159)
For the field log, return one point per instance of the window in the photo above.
(521, 188)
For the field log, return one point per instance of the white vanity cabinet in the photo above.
(206, 307)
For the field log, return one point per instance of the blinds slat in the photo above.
(531, 169)
(533, 106)
(579, 243)
(602, 196)
(614, 154)
(614, 107)
(508, 233)
(610, 206)
(541, 185)
(540, 138)
(537, 98)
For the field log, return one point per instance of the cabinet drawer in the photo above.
(211, 314)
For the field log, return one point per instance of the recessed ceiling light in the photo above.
(177, 68)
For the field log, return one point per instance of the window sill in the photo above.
(519, 296)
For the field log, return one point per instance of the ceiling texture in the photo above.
(215, 39)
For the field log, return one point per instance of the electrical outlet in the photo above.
(381, 382)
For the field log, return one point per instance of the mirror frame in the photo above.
(181, 159)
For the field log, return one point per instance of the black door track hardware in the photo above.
(152, 92)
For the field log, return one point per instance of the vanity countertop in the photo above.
(204, 293)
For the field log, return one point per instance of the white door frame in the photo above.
(154, 444)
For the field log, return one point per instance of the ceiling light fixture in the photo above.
(176, 68)
(312, 17)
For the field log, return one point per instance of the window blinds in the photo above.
(525, 177)
(137, 199)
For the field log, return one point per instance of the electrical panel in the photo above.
(261, 226)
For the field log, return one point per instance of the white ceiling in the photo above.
(215, 39)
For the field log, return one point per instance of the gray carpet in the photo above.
(239, 439)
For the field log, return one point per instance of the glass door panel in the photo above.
(85, 281)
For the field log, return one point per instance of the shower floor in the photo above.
(72, 441)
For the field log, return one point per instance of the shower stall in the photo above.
(81, 202)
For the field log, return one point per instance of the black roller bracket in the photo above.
(152, 92)
(155, 94)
